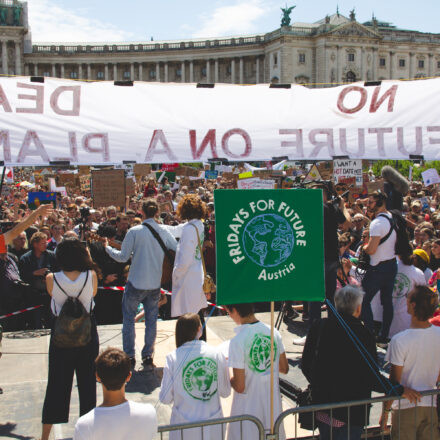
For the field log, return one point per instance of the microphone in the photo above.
(399, 183)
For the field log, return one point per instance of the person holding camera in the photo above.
(382, 271)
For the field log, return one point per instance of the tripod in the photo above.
(283, 314)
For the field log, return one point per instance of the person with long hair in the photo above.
(77, 275)
(195, 376)
(188, 296)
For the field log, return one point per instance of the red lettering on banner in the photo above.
(103, 148)
(32, 136)
(76, 100)
(326, 143)
(38, 98)
(4, 101)
(361, 142)
(246, 138)
(6, 142)
(419, 142)
(380, 138)
(390, 94)
(208, 139)
(159, 136)
(345, 92)
(297, 143)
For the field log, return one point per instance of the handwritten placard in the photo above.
(108, 188)
(346, 168)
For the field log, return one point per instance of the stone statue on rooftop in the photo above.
(353, 15)
(3, 16)
(17, 15)
(285, 21)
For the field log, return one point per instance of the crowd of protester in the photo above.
(44, 261)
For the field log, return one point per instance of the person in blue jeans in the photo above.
(382, 272)
(144, 278)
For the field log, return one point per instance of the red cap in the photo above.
(427, 218)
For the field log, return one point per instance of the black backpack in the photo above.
(73, 326)
(398, 224)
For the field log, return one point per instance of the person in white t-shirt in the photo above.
(415, 363)
(383, 266)
(408, 276)
(116, 418)
(195, 376)
(249, 357)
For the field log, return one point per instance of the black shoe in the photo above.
(133, 362)
(382, 342)
(147, 362)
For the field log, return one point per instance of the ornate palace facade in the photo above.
(333, 50)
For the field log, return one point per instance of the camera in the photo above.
(84, 213)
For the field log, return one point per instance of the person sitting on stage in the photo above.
(116, 418)
(249, 357)
(195, 376)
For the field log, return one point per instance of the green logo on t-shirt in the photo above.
(259, 354)
(402, 285)
(200, 378)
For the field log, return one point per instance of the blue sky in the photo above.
(138, 20)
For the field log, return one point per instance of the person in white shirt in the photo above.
(195, 376)
(415, 363)
(188, 276)
(408, 276)
(249, 357)
(116, 418)
(382, 272)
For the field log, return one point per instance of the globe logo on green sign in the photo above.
(268, 240)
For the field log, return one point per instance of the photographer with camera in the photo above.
(85, 222)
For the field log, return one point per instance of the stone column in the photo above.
(374, 63)
(363, 76)
(233, 71)
(157, 72)
(391, 64)
(5, 57)
(165, 69)
(54, 70)
(106, 72)
(27, 70)
(257, 70)
(62, 71)
(89, 71)
(182, 72)
(17, 58)
(208, 70)
(115, 72)
(140, 71)
(241, 70)
(411, 65)
(216, 70)
(132, 71)
(36, 69)
(80, 71)
(339, 64)
(191, 71)
(430, 65)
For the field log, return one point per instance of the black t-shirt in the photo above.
(333, 217)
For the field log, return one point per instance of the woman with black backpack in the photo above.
(74, 343)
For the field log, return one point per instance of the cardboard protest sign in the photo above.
(85, 182)
(130, 187)
(255, 183)
(313, 174)
(430, 177)
(35, 199)
(325, 169)
(187, 171)
(141, 169)
(347, 168)
(267, 241)
(63, 179)
(83, 170)
(108, 188)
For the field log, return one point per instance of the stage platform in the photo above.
(23, 374)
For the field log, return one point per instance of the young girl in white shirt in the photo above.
(195, 376)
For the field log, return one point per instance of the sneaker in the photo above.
(133, 362)
(382, 342)
(300, 341)
(147, 362)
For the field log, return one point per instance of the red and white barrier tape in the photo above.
(166, 292)
(18, 312)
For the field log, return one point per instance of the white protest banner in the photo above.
(430, 177)
(255, 183)
(102, 123)
(345, 169)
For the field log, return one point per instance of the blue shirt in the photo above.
(146, 254)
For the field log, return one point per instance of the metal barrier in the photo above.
(162, 430)
(329, 408)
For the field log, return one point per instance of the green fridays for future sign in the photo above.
(269, 244)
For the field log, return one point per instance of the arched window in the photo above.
(351, 77)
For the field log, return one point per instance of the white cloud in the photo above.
(236, 19)
(50, 22)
